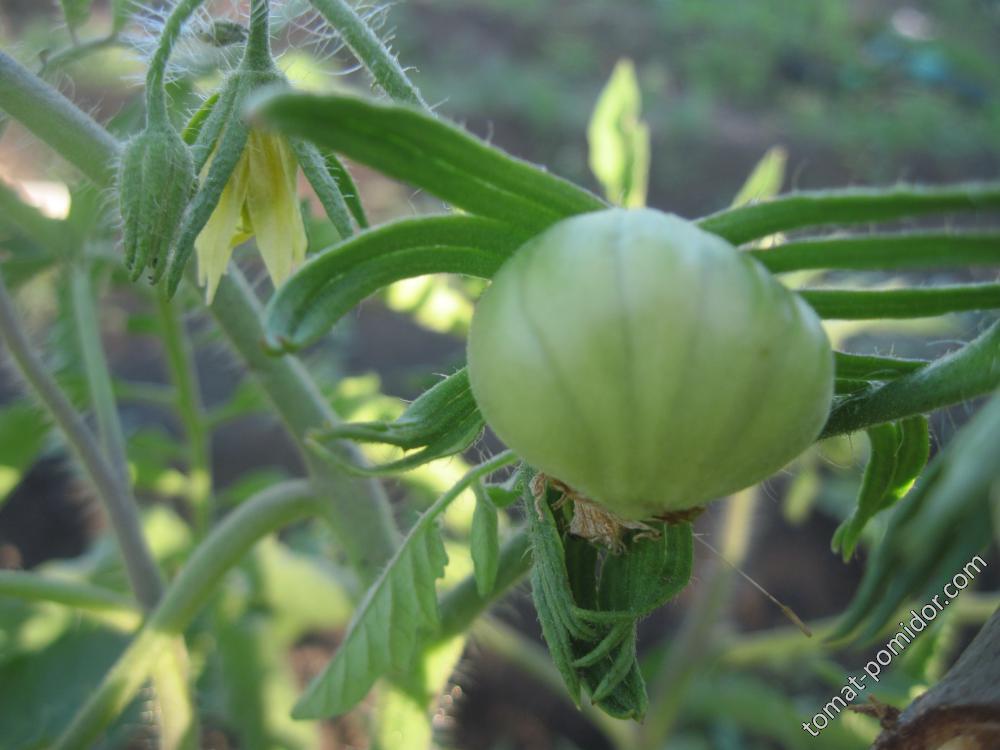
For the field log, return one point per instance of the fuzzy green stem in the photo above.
(57, 121)
(365, 45)
(360, 519)
(96, 368)
(224, 547)
(973, 370)
(119, 504)
(156, 95)
(180, 361)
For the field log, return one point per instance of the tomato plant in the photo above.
(636, 366)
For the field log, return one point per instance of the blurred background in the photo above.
(851, 92)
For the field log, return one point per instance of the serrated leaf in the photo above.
(619, 139)
(386, 631)
(847, 206)
(765, 179)
(428, 152)
(484, 541)
(333, 282)
(397, 612)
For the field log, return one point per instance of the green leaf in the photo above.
(333, 282)
(121, 12)
(619, 139)
(899, 452)
(847, 206)
(864, 304)
(430, 153)
(936, 532)
(883, 252)
(484, 541)
(397, 612)
(970, 371)
(766, 178)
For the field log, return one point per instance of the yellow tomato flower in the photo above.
(259, 200)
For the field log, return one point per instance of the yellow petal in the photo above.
(214, 245)
(273, 206)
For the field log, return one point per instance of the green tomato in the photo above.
(646, 363)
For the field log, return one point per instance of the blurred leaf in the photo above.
(619, 139)
(331, 283)
(766, 178)
(484, 541)
(430, 153)
(76, 12)
(936, 531)
(899, 452)
(121, 12)
(23, 428)
(386, 629)
(847, 206)
(403, 713)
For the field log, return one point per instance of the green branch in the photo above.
(54, 119)
(221, 550)
(143, 574)
(367, 48)
(34, 587)
(973, 370)
(850, 206)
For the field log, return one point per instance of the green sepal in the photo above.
(314, 167)
(347, 187)
(430, 153)
(155, 181)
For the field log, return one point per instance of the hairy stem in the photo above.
(143, 574)
(365, 45)
(156, 95)
(54, 119)
(98, 374)
(221, 550)
(180, 361)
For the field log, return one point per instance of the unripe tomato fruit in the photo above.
(646, 363)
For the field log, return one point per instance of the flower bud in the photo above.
(155, 181)
(647, 364)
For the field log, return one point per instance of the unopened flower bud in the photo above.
(155, 181)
